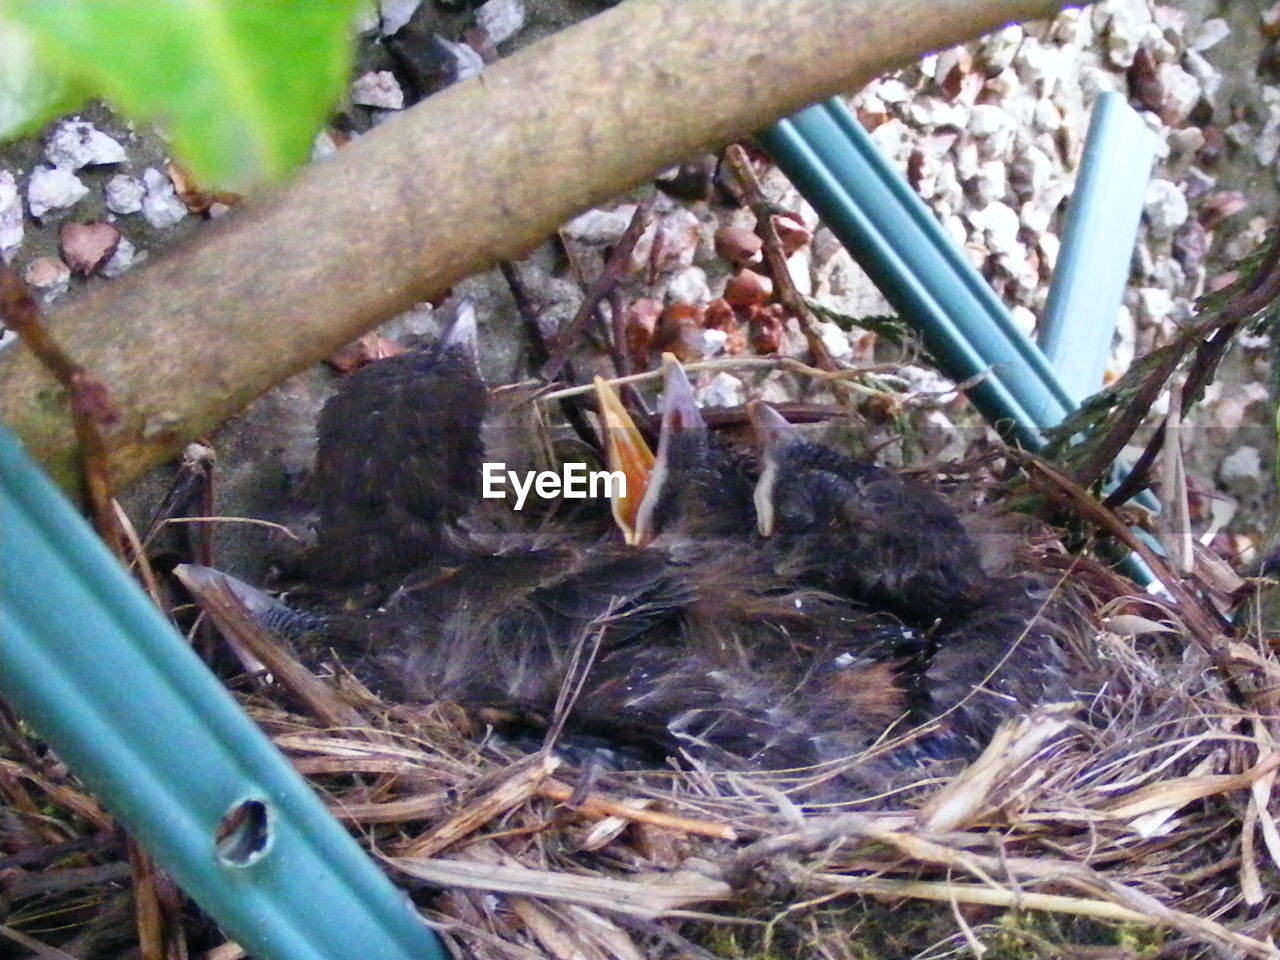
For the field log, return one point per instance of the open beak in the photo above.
(680, 414)
(462, 333)
(773, 434)
(627, 453)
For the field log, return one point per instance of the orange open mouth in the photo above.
(628, 453)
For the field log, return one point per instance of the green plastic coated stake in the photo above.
(897, 240)
(87, 659)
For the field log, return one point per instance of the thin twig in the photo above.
(1205, 361)
(595, 805)
(615, 269)
(523, 783)
(740, 164)
(540, 352)
(92, 408)
(789, 364)
(1210, 631)
(1218, 329)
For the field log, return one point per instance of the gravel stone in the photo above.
(1165, 207)
(77, 144)
(1125, 31)
(467, 63)
(933, 113)
(997, 51)
(1241, 471)
(1030, 171)
(11, 230)
(1180, 92)
(1267, 142)
(989, 183)
(835, 340)
(723, 390)
(689, 286)
(892, 91)
(711, 342)
(49, 277)
(501, 19)
(600, 226)
(125, 257)
(1154, 306)
(987, 120)
(53, 188)
(999, 225)
(124, 194)
(1200, 68)
(395, 14)
(161, 206)
(1209, 33)
(85, 247)
(378, 88)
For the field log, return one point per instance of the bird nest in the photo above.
(1137, 817)
(1135, 821)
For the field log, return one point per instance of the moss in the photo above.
(865, 929)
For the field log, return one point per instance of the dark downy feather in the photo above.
(864, 615)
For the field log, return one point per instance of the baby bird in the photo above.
(995, 644)
(696, 486)
(860, 530)
(792, 612)
(398, 461)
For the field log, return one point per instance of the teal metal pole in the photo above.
(90, 663)
(898, 241)
(1079, 318)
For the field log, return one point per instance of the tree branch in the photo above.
(479, 173)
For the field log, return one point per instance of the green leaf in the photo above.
(30, 93)
(240, 87)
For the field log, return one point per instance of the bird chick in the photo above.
(398, 461)
(859, 530)
(790, 612)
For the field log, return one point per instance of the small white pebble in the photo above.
(53, 188)
(161, 205)
(1208, 34)
(126, 256)
(11, 230)
(1165, 207)
(724, 390)
(1244, 464)
(76, 144)
(600, 226)
(124, 194)
(711, 342)
(835, 340)
(501, 19)
(378, 88)
(689, 286)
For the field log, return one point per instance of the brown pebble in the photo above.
(747, 288)
(639, 323)
(791, 233)
(738, 245)
(87, 246)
